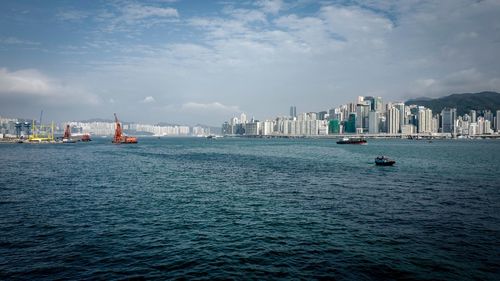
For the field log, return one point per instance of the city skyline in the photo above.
(369, 115)
(189, 61)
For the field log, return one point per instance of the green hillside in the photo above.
(462, 102)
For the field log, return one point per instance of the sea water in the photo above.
(241, 208)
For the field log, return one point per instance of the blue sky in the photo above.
(204, 61)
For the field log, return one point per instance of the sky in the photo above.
(202, 62)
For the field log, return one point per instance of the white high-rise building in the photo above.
(425, 121)
(393, 121)
(473, 129)
(243, 118)
(400, 106)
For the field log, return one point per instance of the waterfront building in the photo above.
(473, 129)
(266, 128)
(350, 124)
(373, 122)
(408, 129)
(334, 127)
(473, 117)
(448, 117)
(497, 124)
(351, 107)
(393, 122)
(402, 109)
(322, 115)
(243, 118)
(487, 126)
(424, 120)
(251, 128)
(375, 103)
(488, 115)
(227, 129)
(293, 111)
(362, 111)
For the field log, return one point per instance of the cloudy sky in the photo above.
(200, 61)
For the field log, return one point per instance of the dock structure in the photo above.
(39, 135)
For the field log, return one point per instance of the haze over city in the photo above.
(195, 62)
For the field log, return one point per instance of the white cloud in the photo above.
(267, 57)
(32, 83)
(214, 106)
(27, 81)
(72, 15)
(134, 12)
(355, 24)
(148, 99)
(135, 17)
(270, 6)
(466, 80)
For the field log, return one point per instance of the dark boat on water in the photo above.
(352, 141)
(384, 161)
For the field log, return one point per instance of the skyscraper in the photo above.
(293, 111)
(425, 120)
(393, 121)
(448, 116)
(362, 111)
(400, 106)
(498, 121)
(373, 122)
(350, 125)
(473, 118)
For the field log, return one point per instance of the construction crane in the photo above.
(119, 137)
(40, 126)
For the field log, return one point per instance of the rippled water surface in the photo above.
(250, 209)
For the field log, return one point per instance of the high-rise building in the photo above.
(362, 111)
(350, 124)
(243, 118)
(334, 126)
(498, 121)
(293, 111)
(448, 117)
(488, 115)
(393, 121)
(400, 106)
(373, 122)
(375, 103)
(424, 120)
(322, 115)
(473, 117)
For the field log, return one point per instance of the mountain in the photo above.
(462, 102)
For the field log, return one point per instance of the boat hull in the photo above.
(351, 142)
(389, 163)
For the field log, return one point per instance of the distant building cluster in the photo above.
(12, 127)
(369, 115)
(108, 128)
(17, 128)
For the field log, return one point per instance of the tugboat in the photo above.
(384, 161)
(352, 141)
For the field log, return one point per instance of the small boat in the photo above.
(352, 141)
(86, 137)
(68, 140)
(384, 161)
(212, 137)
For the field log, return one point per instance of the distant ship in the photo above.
(352, 141)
